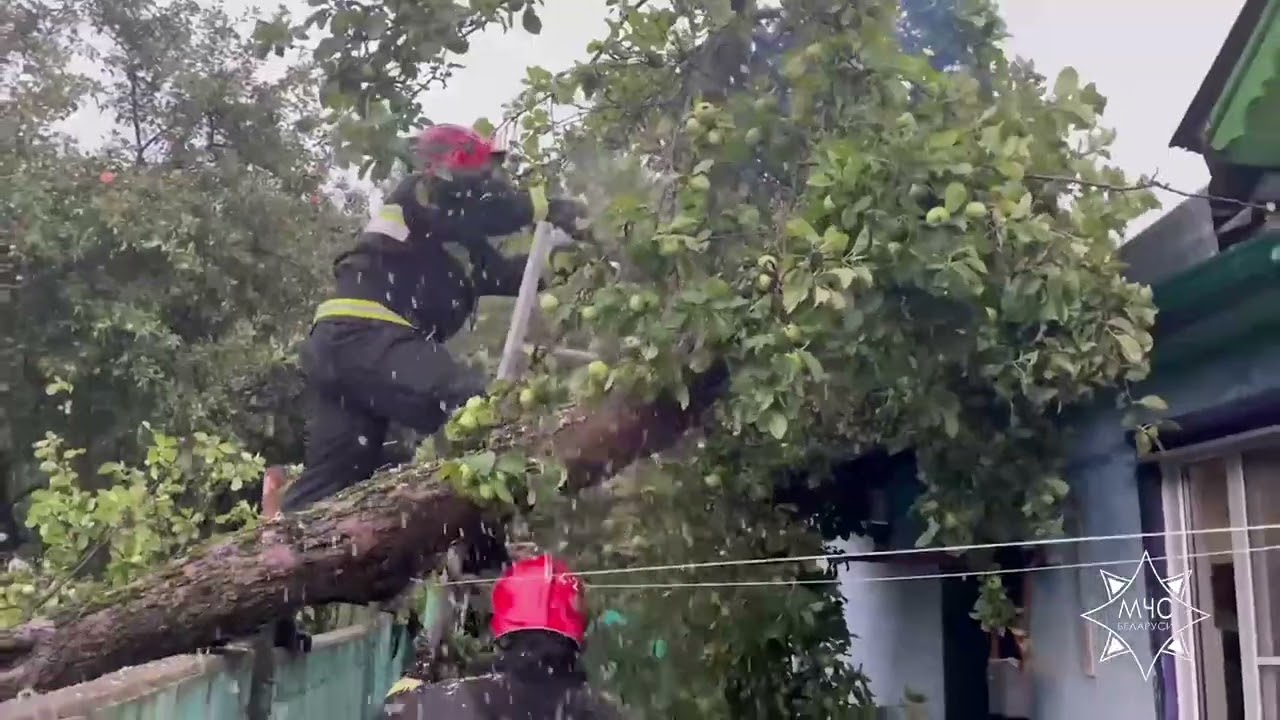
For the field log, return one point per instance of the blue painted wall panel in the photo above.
(1102, 470)
(1103, 473)
(1108, 494)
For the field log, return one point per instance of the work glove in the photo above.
(567, 214)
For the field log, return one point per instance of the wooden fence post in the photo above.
(262, 675)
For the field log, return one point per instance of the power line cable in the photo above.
(925, 576)
(893, 554)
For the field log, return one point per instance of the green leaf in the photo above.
(482, 463)
(1024, 206)
(1067, 83)
(376, 26)
(1123, 325)
(502, 491)
(1058, 487)
(511, 464)
(1129, 347)
(835, 241)
(799, 228)
(1152, 402)
(327, 48)
(1094, 99)
(844, 275)
(815, 367)
(951, 422)
(682, 396)
(863, 241)
(682, 223)
(530, 20)
(1143, 441)
(954, 197)
(944, 139)
(794, 292)
(457, 44)
(776, 424)
(1010, 169)
(448, 469)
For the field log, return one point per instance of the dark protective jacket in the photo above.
(376, 355)
(522, 692)
(403, 260)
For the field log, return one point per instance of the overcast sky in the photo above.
(1146, 57)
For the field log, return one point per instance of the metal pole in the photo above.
(546, 237)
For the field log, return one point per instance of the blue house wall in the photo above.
(1216, 361)
(1224, 381)
(1103, 473)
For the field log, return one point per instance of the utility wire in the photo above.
(872, 554)
(1154, 184)
(924, 576)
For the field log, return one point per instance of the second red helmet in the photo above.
(455, 150)
(539, 593)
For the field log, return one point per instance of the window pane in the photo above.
(1213, 589)
(1262, 500)
(1269, 675)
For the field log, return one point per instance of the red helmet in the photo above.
(539, 594)
(455, 150)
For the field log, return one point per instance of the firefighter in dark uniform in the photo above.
(376, 354)
(538, 625)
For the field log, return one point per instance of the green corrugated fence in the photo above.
(344, 677)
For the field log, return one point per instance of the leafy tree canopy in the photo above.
(156, 268)
(166, 277)
(888, 249)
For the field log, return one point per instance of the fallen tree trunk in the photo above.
(365, 545)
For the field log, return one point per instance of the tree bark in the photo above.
(365, 545)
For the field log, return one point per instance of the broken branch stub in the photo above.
(365, 545)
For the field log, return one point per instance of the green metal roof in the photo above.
(1232, 116)
(1230, 298)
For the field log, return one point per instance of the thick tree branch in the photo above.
(366, 545)
(135, 115)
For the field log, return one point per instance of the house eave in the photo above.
(1211, 103)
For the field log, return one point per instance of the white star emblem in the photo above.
(1125, 610)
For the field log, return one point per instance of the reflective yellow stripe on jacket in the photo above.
(405, 684)
(389, 220)
(363, 309)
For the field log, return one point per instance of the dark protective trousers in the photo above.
(363, 375)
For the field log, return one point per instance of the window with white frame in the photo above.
(1231, 485)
